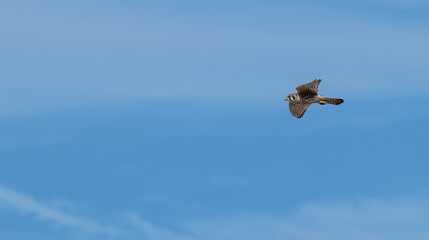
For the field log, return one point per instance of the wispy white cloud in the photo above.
(142, 228)
(371, 220)
(366, 219)
(27, 204)
(152, 232)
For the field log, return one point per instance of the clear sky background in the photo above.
(165, 120)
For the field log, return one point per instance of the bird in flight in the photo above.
(308, 94)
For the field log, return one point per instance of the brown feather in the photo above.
(311, 88)
(298, 109)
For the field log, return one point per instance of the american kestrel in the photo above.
(307, 95)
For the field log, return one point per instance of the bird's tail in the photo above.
(333, 101)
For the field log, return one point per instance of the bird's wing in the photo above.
(298, 109)
(310, 88)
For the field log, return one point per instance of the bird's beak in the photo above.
(285, 99)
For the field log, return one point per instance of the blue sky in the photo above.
(165, 120)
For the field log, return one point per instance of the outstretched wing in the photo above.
(310, 88)
(298, 109)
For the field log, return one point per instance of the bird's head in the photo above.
(291, 98)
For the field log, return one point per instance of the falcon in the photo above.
(308, 94)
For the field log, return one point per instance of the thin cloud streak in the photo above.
(27, 204)
(370, 219)
(152, 232)
(367, 219)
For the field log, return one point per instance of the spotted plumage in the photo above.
(306, 95)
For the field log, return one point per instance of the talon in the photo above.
(323, 102)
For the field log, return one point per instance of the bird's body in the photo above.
(308, 94)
